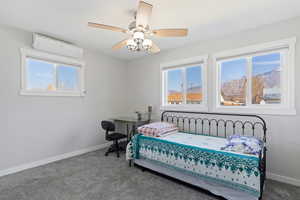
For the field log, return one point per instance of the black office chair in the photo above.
(115, 137)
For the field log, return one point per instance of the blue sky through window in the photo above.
(265, 63)
(175, 80)
(233, 70)
(41, 75)
(236, 69)
(67, 77)
(194, 78)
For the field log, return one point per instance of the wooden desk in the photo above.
(131, 124)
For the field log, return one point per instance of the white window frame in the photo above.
(54, 59)
(287, 107)
(184, 63)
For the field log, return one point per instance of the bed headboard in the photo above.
(217, 124)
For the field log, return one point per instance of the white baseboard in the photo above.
(51, 159)
(283, 179)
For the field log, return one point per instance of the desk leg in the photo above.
(132, 130)
(127, 132)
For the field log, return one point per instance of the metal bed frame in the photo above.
(222, 125)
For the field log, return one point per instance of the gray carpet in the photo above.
(95, 177)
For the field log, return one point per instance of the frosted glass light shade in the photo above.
(138, 37)
(147, 44)
(131, 45)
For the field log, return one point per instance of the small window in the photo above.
(257, 79)
(183, 85)
(44, 77)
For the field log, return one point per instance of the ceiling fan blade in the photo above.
(154, 48)
(181, 32)
(143, 14)
(107, 27)
(120, 45)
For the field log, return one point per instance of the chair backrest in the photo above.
(108, 126)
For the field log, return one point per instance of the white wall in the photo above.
(34, 128)
(283, 131)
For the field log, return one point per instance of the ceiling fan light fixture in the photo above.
(139, 29)
(147, 44)
(138, 37)
(131, 45)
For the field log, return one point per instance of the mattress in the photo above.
(201, 141)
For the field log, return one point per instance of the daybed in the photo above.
(194, 154)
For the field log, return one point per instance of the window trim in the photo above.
(288, 76)
(51, 58)
(189, 62)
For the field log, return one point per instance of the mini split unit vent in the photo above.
(44, 43)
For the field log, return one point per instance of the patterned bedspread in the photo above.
(200, 156)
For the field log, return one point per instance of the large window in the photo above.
(266, 78)
(183, 84)
(45, 74)
(257, 79)
(262, 71)
(233, 82)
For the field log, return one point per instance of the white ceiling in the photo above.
(67, 19)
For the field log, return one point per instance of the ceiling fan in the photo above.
(138, 29)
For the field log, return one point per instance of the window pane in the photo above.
(233, 82)
(40, 75)
(67, 77)
(194, 85)
(266, 79)
(175, 86)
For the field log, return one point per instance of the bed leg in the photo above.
(143, 169)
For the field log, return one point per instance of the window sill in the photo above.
(195, 108)
(257, 111)
(53, 94)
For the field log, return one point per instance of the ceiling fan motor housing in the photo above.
(133, 28)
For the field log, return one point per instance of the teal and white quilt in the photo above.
(200, 156)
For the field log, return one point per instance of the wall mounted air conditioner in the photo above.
(44, 43)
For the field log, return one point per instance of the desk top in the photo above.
(128, 119)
